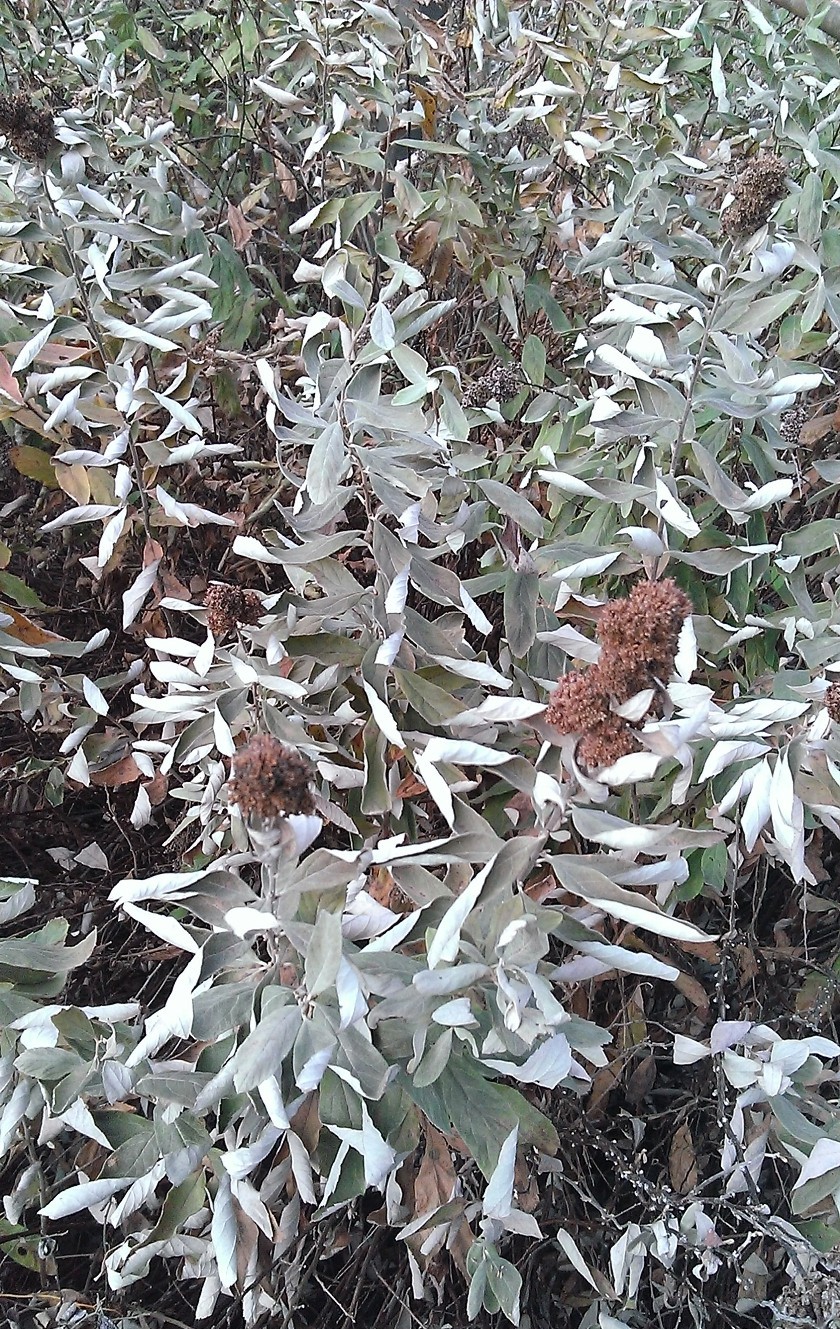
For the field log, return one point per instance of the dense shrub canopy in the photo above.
(418, 617)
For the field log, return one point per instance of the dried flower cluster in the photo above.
(500, 384)
(814, 1299)
(271, 780)
(28, 128)
(757, 190)
(790, 425)
(229, 605)
(639, 636)
(831, 701)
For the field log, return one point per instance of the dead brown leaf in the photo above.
(410, 787)
(682, 1163)
(25, 630)
(641, 1082)
(124, 771)
(307, 1123)
(288, 183)
(241, 229)
(434, 1184)
(821, 425)
(423, 242)
(8, 383)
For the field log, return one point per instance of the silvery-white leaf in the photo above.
(631, 962)
(457, 1013)
(547, 1066)
(444, 945)
(83, 1196)
(498, 1195)
(163, 926)
(630, 769)
(382, 328)
(688, 1050)
(437, 787)
(823, 1158)
(757, 807)
(457, 751)
(224, 1232)
(243, 919)
(569, 1245)
(135, 595)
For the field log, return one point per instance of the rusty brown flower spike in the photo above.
(832, 702)
(228, 606)
(639, 635)
(269, 779)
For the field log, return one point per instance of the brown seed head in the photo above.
(229, 605)
(831, 701)
(790, 425)
(28, 128)
(606, 743)
(756, 191)
(640, 635)
(271, 780)
(500, 384)
(578, 703)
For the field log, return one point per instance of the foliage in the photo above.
(433, 337)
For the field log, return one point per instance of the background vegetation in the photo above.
(354, 358)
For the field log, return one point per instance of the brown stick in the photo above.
(830, 21)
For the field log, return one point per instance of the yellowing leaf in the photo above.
(430, 109)
(74, 481)
(34, 463)
(25, 630)
(8, 383)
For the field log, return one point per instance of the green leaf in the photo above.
(18, 1246)
(34, 463)
(814, 538)
(264, 1050)
(809, 216)
(323, 955)
(520, 607)
(482, 1111)
(513, 504)
(533, 360)
(150, 44)
(495, 1284)
(17, 590)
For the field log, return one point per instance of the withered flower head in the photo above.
(831, 701)
(578, 703)
(791, 423)
(500, 384)
(756, 191)
(640, 635)
(270, 780)
(29, 129)
(604, 744)
(229, 605)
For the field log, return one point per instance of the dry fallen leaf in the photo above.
(682, 1163)
(434, 1184)
(25, 630)
(124, 771)
(8, 383)
(241, 230)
